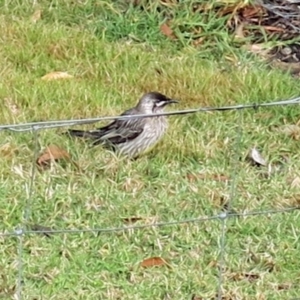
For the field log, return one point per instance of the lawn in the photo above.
(93, 202)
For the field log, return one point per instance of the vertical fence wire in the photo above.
(27, 208)
(19, 284)
(21, 231)
(224, 215)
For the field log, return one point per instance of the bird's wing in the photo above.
(120, 131)
(83, 133)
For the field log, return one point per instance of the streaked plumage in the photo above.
(132, 137)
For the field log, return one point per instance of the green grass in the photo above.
(175, 181)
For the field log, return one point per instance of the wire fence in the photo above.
(223, 216)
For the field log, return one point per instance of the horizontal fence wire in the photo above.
(28, 229)
(63, 123)
(220, 216)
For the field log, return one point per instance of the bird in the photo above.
(132, 137)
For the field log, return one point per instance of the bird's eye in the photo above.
(163, 100)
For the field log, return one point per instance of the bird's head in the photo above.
(154, 102)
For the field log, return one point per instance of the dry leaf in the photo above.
(12, 106)
(7, 150)
(231, 7)
(132, 220)
(219, 177)
(132, 185)
(18, 169)
(52, 153)
(259, 49)
(241, 276)
(252, 11)
(195, 297)
(198, 41)
(56, 76)
(213, 264)
(295, 182)
(291, 130)
(256, 158)
(36, 16)
(193, 177)
(167, 31)
(146, 220)
(216, 177)
(284, 286)
(57, 50)
(152, 262)
(8, 289)
(272, 28)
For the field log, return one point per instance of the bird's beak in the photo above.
(166, 102)
(172, 101)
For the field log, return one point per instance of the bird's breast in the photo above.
(157, 126)
(153, 130)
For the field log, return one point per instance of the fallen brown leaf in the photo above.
(7, 150)
(256, 158)
(195, 297)
(252, 10)
(291, 130)
(153, 262)
(52, 153)
(219, 177)
(241, 276)
(146, 220)
(57, 50)
(193, 177)
(132, 185)
(132, 220)
(11, 105)
(284, 286)
(231, 7)
(272, 28)
(293, 201)
(36, 16)
(56, 76)
(198, 41)
(6, 287)
(295, 182)
(216, 177)
(259, 49)
(213, 264)
(167, 31)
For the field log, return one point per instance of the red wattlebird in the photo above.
(133, 136)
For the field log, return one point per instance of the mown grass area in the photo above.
(187, 175)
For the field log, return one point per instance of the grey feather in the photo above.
(132, 136)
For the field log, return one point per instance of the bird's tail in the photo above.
(82, 133)
(95, 136)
